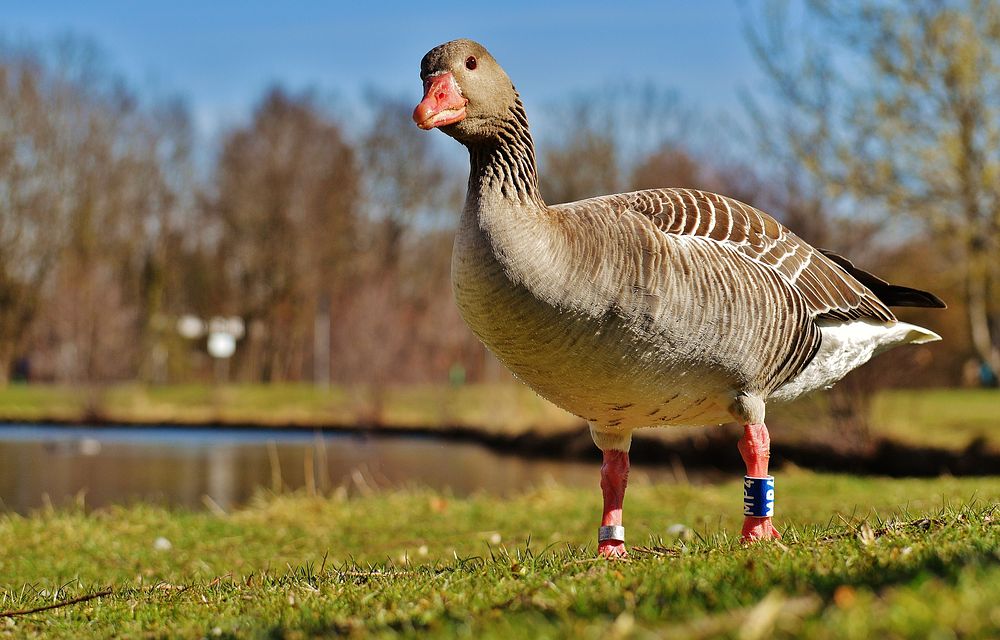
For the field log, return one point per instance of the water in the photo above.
(200, 467)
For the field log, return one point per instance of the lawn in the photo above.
(861, 557)
(510, 408)
(949, 418)
(940, 417)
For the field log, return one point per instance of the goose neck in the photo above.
(504, 165)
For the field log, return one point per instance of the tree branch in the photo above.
(56, 605)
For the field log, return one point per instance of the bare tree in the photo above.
(897, 104)
(80, 171)
(593, 142)
(29, 233)
(410, 197)
(163, 175)
(287, 188)
(582, 166)
(406, 184)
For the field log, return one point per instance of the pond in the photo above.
(223, 468)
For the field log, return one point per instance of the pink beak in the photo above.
(443, 103)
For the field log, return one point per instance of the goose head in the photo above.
(466, 93)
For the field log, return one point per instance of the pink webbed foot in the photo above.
(612, 549)
(758, 529)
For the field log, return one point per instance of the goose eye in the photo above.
(470, 63)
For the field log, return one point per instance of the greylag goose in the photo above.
(653, 308)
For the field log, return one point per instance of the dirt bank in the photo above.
(709, 449)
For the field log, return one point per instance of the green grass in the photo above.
(939, 417)
(860, 558)
(33, 402)
(946, 418)
(509, 408)
(950, 418)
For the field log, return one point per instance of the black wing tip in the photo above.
(897, 296)
(891, 295)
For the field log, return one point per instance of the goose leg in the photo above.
(614, 479)
(755, 447)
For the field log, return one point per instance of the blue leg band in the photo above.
(758, 497)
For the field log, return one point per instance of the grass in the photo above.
(503, 407)
(949, 418)
(860, 557)
(939, 417)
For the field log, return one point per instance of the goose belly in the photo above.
(598, 368)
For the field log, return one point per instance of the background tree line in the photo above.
(878, 136)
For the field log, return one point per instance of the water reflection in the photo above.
(182, 466)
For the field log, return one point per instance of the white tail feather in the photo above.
(846, 346)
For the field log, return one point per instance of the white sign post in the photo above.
(222, 336)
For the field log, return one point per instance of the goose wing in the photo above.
(742, 292)
(828, 290)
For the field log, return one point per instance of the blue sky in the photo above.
(220, 55)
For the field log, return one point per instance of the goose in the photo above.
(662, 307)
